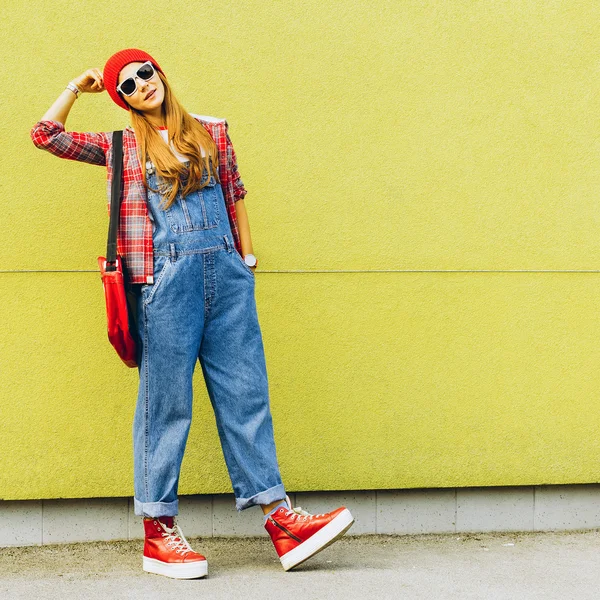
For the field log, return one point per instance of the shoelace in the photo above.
(182, 546)
(298, 511)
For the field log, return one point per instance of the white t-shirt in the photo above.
(165, 135)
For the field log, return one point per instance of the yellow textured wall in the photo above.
(422, 184)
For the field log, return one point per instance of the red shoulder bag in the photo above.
(120, 302)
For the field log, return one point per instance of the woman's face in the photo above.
(139, 99)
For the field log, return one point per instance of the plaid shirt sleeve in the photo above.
(239, 191)
(85, 147)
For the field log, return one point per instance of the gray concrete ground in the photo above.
(526, 566)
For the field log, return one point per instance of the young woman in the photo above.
(185, 242)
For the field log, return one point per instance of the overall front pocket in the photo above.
(240, 259)
(197, 211)
(161, 266)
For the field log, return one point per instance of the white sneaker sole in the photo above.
(190, 570)
(318, 541)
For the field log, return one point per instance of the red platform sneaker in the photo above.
(298, 535)
(167, 552)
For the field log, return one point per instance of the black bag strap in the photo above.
(115, 200)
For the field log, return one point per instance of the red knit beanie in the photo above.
(113, 67)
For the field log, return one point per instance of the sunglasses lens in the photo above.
(128, 86)
(146, 72)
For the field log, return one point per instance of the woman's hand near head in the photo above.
(90, 82)
(51, 136)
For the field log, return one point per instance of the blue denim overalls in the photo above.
(200, 306)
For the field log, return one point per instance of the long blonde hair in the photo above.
(187, 135)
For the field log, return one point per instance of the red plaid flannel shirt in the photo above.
(134, 237)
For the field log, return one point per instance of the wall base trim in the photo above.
(402, 512)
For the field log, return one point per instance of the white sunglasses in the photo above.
(128, 86)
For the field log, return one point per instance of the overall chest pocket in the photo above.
(198, 210)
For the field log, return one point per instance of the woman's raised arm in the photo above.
(49, 132)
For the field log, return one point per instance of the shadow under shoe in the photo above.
(298, 535)
(167, 552)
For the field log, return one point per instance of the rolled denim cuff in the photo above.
(266, 497)
(155, 509)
